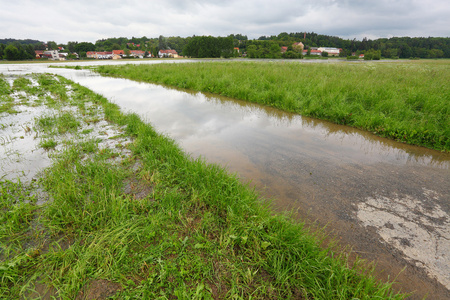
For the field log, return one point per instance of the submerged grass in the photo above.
(405, 101)
(159, 225)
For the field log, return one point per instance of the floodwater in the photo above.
(389, 201)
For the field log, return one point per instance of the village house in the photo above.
(168, 53)
(330, 51)
(118, 54)
(312, 52)
(39, 53)
(137, 53)
(99, 54)
(298, 46)
(53, 55)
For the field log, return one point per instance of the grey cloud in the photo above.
(89, 20)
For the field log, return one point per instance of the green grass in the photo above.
(5, 88)
(159, 225)
(48, 144)
(407, 101)
(58, 124)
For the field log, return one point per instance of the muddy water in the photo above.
(389, 201)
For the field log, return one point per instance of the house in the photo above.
(331, 51)
(168, 53)
(104, 55)
(99, 54)
(284, 49)
(298, 46)
(312, 52)
(53, 55)
(118, 54)
(91, 54)
(39, 53)
(137, 53)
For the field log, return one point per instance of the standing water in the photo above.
(387, 200)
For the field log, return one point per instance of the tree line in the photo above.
(263, 47)
(401, 47)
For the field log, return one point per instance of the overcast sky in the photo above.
(90, 20)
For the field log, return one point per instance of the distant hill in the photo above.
(22, 42)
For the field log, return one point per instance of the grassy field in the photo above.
(408, 101)
(149, 222)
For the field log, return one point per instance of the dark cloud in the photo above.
(89, 20)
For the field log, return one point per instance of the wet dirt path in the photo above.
(389, 201)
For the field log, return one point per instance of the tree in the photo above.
(209, 46)
(71, 46)
(30, 52)
(84, 47)
(252, 51)
(51, 45)
(11, 53)
(275, 51)
(162, 45)
(435, 53)
(115, 46)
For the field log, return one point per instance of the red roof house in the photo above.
(167, 53)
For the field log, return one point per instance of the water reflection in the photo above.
(188, 115)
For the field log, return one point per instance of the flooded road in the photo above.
(389, 201)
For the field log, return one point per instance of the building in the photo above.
(39, 53)
(298, 47)
(53, 55)
(99, 54)
(312, 52)
(330, 51)
(168, 53)
(118, 54)
(137, 53)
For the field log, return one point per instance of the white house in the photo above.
(167, 53)
(330, 51)
(53, 55)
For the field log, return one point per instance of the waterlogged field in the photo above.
(120, 212)
(403, 100)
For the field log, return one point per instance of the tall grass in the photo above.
(405, 101)
(196, 233)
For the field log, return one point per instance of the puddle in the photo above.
(417, 227)
(22, 156)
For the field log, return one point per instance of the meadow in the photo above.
(407, 101)
(143, 220)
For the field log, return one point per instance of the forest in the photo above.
(264, 46)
